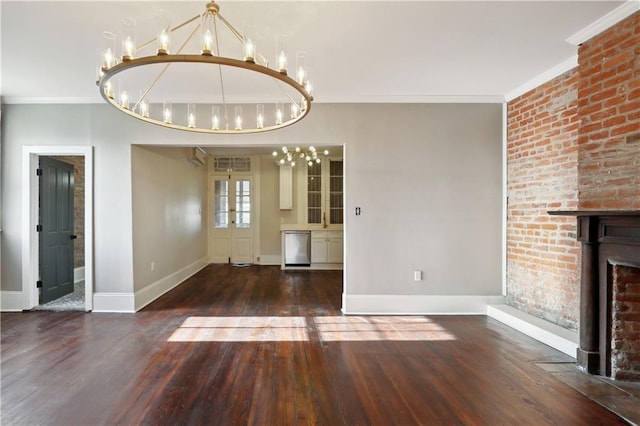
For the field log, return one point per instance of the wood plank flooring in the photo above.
(199, 355)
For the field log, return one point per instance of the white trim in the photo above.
(154, 290)
(385, 304)
(505, 197)
(114, 302)
(270, 259)
(50, 99)
(559, 338)
(11, 301)
(413, 99)
(78, 274)
(30, 260)
(605, 22)
(540, 79)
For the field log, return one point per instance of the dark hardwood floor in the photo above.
(260, 346)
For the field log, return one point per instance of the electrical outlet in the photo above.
(417, 275)
(153, 266)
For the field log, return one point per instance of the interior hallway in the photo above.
(258, 345)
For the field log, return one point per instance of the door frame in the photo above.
(255, 212)
(30, 245)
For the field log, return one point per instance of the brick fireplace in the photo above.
(609, 292)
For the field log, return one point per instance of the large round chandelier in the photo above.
(142, 81)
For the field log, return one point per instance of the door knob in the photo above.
(73, 237)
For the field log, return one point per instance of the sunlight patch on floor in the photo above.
(241, 329)
(295, 329)
(374, 328)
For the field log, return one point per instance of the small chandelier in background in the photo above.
(291, 155)
(225, 109)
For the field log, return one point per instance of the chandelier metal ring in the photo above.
(215, 60)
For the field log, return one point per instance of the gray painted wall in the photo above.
(427, 177)
(169, 212)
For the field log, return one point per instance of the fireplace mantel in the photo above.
(608, 237)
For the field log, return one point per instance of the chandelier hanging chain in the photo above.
(224, 100)
(166, 67)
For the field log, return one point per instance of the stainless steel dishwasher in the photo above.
(297, 248)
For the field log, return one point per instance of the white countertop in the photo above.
(307, 227)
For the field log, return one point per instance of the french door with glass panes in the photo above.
(232, 221)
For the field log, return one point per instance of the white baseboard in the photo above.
(270, 259)
(113, 302)
(78, 274)
(559, 338)
(417, 304)
(154, 290)
(12, 301)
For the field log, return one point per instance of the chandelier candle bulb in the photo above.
(301, 76)
(279, 107)
(294, 110)
(238, 118)
(124, 99)
(163, 42)
(128, 39)
(166, 112)
(107, 60)
(260, 116)
(108, 50)
(282, 63)
(143, 108)
(301, 67)
(207, 43)
(108, 90)
(191, 116)
(127, 49)
(249, 50)
(215, 117)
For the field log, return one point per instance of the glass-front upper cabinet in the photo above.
(325, 197)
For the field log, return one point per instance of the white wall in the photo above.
(169, 219)
(427, 177)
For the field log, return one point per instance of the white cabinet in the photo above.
(326, 247)
(286, 187)
(325, 198)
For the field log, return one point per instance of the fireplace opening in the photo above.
(625, 320)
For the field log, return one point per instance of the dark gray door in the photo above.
(56, 236)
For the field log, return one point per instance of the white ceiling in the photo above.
(360, 51)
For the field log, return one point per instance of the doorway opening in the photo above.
(81, 296)
(61, 236)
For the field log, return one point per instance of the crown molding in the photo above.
(373, 99)
(540, 79)
(610, 19)
(51, 100)
(412, 99)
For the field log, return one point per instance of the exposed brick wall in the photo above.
(573, 142)
(609, 110)
(542, 159)
(625, 324)
(78, 207)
